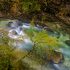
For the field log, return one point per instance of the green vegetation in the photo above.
(42, 38)
(44, 49)
(53, 14)
(41, 12)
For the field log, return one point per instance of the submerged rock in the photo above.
(67, 42)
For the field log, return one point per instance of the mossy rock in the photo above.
(56, 57)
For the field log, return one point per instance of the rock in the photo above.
(67, 42)
(56, 57)
(14, 24)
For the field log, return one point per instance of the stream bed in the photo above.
(21, 41)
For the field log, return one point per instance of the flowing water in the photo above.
(23, 42)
